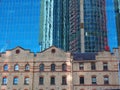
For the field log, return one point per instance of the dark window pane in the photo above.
(52, 67)
(41, 67)
(64, 80)
(52, 81)
(41, 79)
(105, 66)
(106, 80)
(93, 66)
(81, 66)
(64, 67)
(81, 80)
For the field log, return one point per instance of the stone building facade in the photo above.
(54, 69)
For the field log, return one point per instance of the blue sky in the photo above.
(111, 27)
(20, 24)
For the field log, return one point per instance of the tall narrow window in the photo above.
(27, 67)
(93, 66)
(41, 80)
(52, 67)
(15, 81)
(52, 81)
(5, 67)
(82, 80)
(26, 80)
(64, 80)
(64, 67)
(4, 81)
(81, 66)
(41, 67)
(94, 80)
(106, 80)
(105, 66)
(16, 67)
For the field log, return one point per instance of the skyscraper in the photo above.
(76, 25)
(54, 24)
(95, 32)
(117, 11)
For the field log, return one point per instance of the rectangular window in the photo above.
(4, 81)
(64, 80)
(52, 81)
(106, 80)
(94, 80)
(81, 80)
(15, 81)
(41, 80)
(26, 81)
(81, 66)
(93, 66)
(105, 66)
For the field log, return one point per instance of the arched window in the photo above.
(16, 67)
(27, 67)
(52, 67)
(5, 67)
(64, 67)
(41, 67)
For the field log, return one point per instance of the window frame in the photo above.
(27, 67)
(52, 80)
(4, 81)
(81, 66)
(94, 80)
(105, 66)
(82, 80)
(106, 79)
(15, 81)
(93, 66)
(26, 81)
(53, 67)
(41, 67)
(5, 66)
(16, 67)
(41, 82)
(64, 80)
(64, 67)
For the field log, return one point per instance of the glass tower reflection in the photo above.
(19, 24)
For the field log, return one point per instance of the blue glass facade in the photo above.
(95, 25)
(19, 24)
(74, 26)
(61, 24)
(117, 17)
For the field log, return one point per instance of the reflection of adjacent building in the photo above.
(54, 69)
(73, 25)
(117, 16)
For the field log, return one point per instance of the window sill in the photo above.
(3, 84)
(26, 84)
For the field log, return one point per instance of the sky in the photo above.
(111, 25)
(20, 24)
